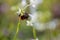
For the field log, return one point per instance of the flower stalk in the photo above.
(34, 33)
(17, 30)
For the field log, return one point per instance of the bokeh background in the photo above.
(9, 21)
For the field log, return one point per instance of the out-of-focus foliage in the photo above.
(9, 21)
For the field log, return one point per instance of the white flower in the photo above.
(36, 1)
(19, 11)
(39, 26)
(23, 2)
(34, 6)
(52, 24)
(35, 39)
(33, 19)
(29, 23)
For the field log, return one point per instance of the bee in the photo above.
(25, 16)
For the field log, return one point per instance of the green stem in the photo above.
(34, 33)
(17, 30)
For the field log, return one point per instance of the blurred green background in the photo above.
(9, 22)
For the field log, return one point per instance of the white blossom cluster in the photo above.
(51, 25)
(34, 22)
(36, 2)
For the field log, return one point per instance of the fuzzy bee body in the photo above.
(24, 16)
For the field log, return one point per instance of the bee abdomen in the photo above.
(25, 16)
